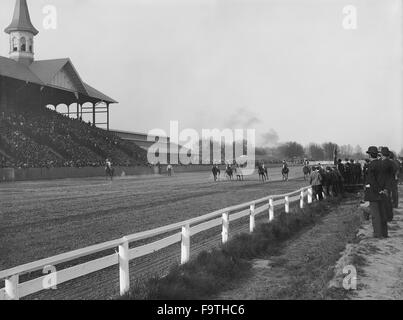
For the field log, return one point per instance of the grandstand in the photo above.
(32, 135)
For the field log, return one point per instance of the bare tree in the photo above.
(315, 152)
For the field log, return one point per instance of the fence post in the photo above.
(252, 223)
(310, 195)
(287, 204)
(271, 209)
(185, 246)
(12, 288)
(225, 227)
(301, 203)
(124, 275)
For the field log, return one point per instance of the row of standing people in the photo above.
(351, 171)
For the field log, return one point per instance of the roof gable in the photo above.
(59, 73)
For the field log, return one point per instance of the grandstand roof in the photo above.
(21, 19)
(43, 73)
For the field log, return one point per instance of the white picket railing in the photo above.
(15, 290)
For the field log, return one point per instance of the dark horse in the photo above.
(229, 172)
(216, 172)
(263, 174)
(109, 172)
(307, 171)
(285, 171)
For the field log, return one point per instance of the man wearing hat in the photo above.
(342, 172)
(374, 194)
(395, 193)
(388, 177)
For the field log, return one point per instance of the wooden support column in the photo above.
(107, 120)
(78, 110)
(93, 114)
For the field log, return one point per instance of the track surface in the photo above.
(44, 218)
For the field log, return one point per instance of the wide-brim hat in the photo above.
(385, 151)
(372, 150)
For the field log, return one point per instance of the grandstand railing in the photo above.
(14, 289)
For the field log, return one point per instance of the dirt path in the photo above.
(379, 263)
(305, 263)
(40, 219)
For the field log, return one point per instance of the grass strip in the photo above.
(213, 271)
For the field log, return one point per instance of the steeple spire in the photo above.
(22, 34)
(21, 19)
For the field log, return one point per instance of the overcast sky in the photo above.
(285, 67)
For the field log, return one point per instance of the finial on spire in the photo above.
(21, 19)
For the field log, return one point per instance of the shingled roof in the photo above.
(42, 72)
(21, 19)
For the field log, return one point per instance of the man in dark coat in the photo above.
(338, 182)
(395, 193)
(342, 173)
(365, 170)
(327, 180)
(374, 192)
(347, 172)
(388, 177)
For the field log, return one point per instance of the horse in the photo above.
(307, 171)
(229, 172)
(109, 172)
(263, 174)
(285, 171)
(216, 173)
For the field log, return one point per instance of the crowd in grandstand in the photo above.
(45, 138)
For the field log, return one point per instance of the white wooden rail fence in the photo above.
(14, 290)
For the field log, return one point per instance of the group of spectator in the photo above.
(380, 176)
(327, 181)
(26, 152)
(351, 170)
(45, 138)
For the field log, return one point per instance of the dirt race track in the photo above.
(44, 218)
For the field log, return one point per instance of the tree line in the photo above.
(313, 151)
(294, 151)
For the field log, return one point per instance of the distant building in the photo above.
(142, 140)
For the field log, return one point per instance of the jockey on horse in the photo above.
(285, 170)
(108, 169)
(263, 172)
(229, 171)
(216, 172)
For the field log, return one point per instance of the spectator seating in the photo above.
(45, 138)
